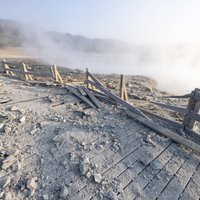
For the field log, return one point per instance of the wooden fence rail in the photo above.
(53, 72)
(133, 112)
(191, 113)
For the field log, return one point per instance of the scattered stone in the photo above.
(58, 139)
(45, 196)
(31, 184)
(6, 183)
(111, 196)
(33, 131)
(8, 162)
(15, 108)
(72, 156)
(98, 178)
(12, 151)
(64, 192)
(23, 119)
(83, 168)
(156, 165)
(84, 165)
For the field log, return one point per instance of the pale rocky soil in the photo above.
(66, 151)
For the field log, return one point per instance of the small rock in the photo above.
(97, 178)
(58, 138)
(23, 119)
(156, 165)
(8, 162)
(83, 168)
(111, 196)
(45, 196)
(6, 183)
(72, 156)
(13, 152)
(64, 192)
(31, 184)
(33, 131)
(15, 108)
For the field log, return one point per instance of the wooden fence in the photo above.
(10, 70)
(96, 89)
(191, 113)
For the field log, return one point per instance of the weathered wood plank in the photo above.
(174, 108)
(82, 92)
(158, 184)
(87, 191)
(179, 96)
(137, 161)
(171, 122)
(83, 98)
(165, 132)
(147, 175)
(93, 98)
(174, 189)
(94, 78)
(119, 100)
(192, 190)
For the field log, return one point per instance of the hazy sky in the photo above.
(137, 21)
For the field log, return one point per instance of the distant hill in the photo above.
(10, 34)
(15, 34)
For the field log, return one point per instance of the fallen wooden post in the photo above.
(81, 90)
(93, 98)
(168, 133)
(83, 98)
(168, 121)
(178, 109)
(118, 99)
(179, 96)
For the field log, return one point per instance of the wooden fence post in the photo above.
(123, 92)
(56, 75)
(193, 105)
(87, 78)
(27, 76)
(8, 72)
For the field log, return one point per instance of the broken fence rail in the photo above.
(28, 74)
(145, 120)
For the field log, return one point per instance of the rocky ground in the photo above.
(52, 144)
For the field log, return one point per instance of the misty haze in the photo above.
(176, 67)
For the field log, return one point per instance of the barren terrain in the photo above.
(53, 146)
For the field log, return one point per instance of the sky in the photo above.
(135, 21)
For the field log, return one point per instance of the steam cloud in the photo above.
(175, 67)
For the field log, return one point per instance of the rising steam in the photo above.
(175, 67)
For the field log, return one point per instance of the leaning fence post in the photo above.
(123, 92)
(8, 72)
(87, 78)
(56, 75)
(193, 105)
(27, 76)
